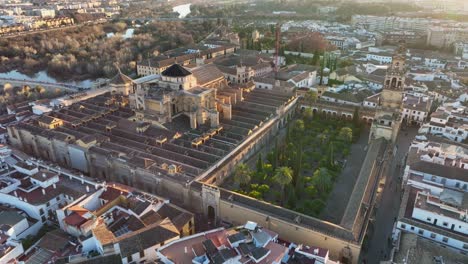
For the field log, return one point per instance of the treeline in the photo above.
(347, 10)
(147, 10)
(15, 94)
(87, 52)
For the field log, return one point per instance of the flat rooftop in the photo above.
(417, 250)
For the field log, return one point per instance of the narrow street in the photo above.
(380, 229)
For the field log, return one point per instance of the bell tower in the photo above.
(387, 119)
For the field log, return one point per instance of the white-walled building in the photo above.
(435, 201)
(434, 63)
(345, 98)
(108, 219)
(371, 101)
(416, 108)
(40, 192)
(14, 226)
(382, 58)
(449, 121)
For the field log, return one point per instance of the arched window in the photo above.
(394, 82)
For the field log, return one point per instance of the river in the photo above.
(42, 76)
(183, 10)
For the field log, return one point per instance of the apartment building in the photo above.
(434, 202)
(416, 108)
(248, 243)
(448, 121)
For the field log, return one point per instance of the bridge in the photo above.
(33, 83)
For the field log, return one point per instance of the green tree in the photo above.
(275, 154)
(311, 191)
(322, 179)
(255, 194)
(315, 206)
(346, 134)
(316, 59)
(331, 155)
(322, 66)
(283, 176)
(310, 97)
(356, 120)
(263, 188)
(260, 163)
(297, 169)
(308, 114)
(298, 129)
(242, 174)
(323, 138)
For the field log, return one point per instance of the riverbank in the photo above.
(43, 76)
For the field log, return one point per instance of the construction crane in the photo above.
(277, 46)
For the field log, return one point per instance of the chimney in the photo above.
(15, 193)
(87, 188)
(43, 175)
(43, 191)
(54, 185)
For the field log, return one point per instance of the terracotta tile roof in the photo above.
(55, 240)
(207, 73)
(110, 194)
(178, 217)
(75, 219)
(104, 235)
(46, 119)
(147, 237)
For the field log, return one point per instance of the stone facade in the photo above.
(388, 119)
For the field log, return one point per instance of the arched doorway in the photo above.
(211, 214)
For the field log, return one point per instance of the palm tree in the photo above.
(283, 176)
(322, 179)
(242, 174)
(322, 137)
